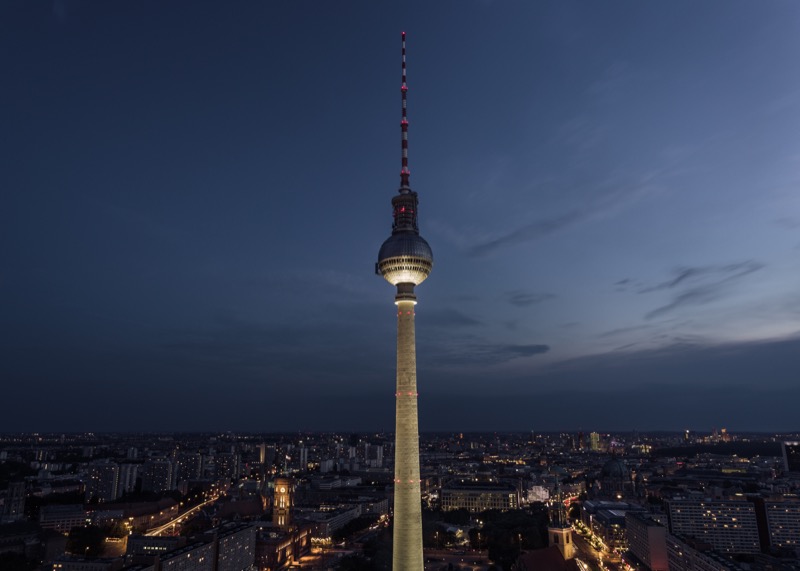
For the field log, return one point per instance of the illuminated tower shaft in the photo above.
(405, 260)
(407, 546)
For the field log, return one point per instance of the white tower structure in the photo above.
(559, 531)
(405, 260)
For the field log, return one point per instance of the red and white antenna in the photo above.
(404, 172)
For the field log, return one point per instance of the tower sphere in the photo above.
(405, 257)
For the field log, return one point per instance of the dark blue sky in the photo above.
(194, 194)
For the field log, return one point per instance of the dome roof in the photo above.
(614, 468)
(405, 257)
(405, 244)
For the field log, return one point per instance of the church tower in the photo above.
(282, 503)
(559, 531)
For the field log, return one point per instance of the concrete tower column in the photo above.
(405, 260)
(407, 545)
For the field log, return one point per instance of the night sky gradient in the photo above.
(194, 194)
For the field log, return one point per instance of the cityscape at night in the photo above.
(203, 368)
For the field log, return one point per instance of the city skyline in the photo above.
(612, 193)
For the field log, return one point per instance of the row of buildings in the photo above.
(704, 535)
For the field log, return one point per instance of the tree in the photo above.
(354, 526)
(458, 517)
(575, 511)
(86, 541)
(507, 534)
(16, 562)
(355, 563)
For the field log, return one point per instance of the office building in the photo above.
(236, 547)
(647, 541)
(188, 466)
(14, 506)
(103, 482)
(728, 525)
(479, 496)
(158, 475)
(783, 522)
(690, 554)
(228, 466)
(791, 457)
(128, 474)
(62, 518)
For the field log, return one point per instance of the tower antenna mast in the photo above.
(404, 172)
(405, 260)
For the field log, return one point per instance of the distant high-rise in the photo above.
(188, 466)
(405, 260)
(103, 482)
(14, 508)
(373, 455)
(791, 456)
(647, 540)
(128, 474)
(158, 475)
(302, 458)
(228, 466)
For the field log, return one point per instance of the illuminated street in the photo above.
(591, 559)
(177, 520)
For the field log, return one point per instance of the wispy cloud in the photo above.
(448, 318)
(610, 197)
(525, 299)
(700, 273)
(699, 285)
(623, 330)
(627, 284)
(481, 354)
(582, 133)
(531, 232)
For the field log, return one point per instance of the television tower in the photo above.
(405, 260)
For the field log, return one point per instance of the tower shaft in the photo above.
(407, 546)
(405, 260)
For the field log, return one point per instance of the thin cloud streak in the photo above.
(614, 197)
(525, 299)
(693, 274)
(479, 354)
(447, 317)
(722, 277)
